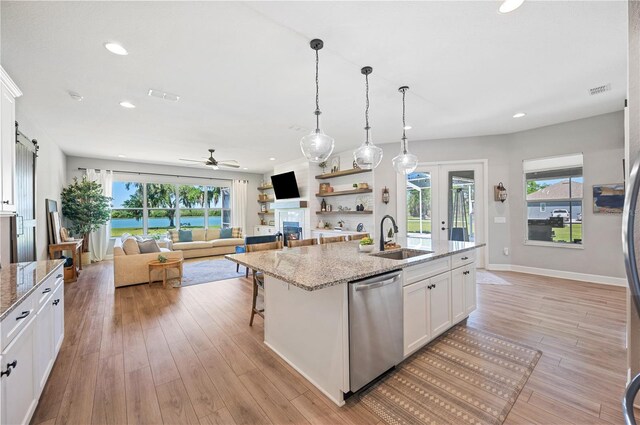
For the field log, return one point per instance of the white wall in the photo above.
(600, 138)
(73, 163)
(51, 169)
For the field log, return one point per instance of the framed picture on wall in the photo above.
(608, 198)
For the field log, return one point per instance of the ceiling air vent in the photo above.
(163, 95)
(600, 89)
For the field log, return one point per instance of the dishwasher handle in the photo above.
(377, 281)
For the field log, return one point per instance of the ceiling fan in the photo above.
(214, 163)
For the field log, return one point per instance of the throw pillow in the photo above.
(147, 246)
(130, 246)
(226, 233)
(185, 236)
(236, 232)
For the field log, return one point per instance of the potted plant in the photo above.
(366, 245)
(84, 205)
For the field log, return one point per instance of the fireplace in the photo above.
(291, 230)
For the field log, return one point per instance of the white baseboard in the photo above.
(561, 274)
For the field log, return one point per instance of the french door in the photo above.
(444, 201)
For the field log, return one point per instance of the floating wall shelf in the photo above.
(342, 173)
(342, 212)
(344, 192)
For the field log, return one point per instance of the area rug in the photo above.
(466, 376)
(210, 270)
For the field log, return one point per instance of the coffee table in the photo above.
(169, 264)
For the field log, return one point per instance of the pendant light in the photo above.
(368, 155)
(317, 146)
(405, 162)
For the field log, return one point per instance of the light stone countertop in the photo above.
(19, 280)
(320, 266)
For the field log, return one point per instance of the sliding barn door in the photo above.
(25, 222)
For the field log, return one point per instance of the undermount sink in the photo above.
(402, 253)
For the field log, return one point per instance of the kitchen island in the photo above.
(307, 303)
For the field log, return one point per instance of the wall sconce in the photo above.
(385, 195)
(500, 192)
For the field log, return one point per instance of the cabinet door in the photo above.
(7, 150)
(57, 303)
(17, 389)
(416, 328)
(470, 297)
(43, 346)
(457, 295)
(439, 304)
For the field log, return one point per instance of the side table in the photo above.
(169, 264)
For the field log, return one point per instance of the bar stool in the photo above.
(240, 249)
(332, 239)
(302, 242)
(257, 277)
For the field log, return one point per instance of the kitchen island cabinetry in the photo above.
(31, 333)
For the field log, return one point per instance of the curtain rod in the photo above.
(141, 173)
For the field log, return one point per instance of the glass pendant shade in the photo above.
(317, 146)
(405, 162)
(367, 156)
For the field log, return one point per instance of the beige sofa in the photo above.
(206, 242)
(134, 269)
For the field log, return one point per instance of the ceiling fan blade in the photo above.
(226, 164)
(192, 160)
(229, 161)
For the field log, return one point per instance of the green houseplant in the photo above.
(86, 208)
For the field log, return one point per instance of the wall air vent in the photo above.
(163, 95)
(600, 89)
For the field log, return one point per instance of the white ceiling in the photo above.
(245, 72)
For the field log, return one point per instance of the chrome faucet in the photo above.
(395, 229)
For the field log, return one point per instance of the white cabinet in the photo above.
(44, 355)
(264, 230)
(17, 391)
(31, 337)
(57, 302)
(458, 310)
(470, 295)
(435, 298)
(8, 94)
(415, 316)
(439, 304)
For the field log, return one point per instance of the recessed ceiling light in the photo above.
(122, 156)
(76, 96)
(407, 127)
(272, 159)
(245, 168)
(519, 115)
(127, 105)
(115, 48)
(510, 5)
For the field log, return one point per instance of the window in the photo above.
(127, 208)
(419, 204)
(554, 190)
(153, 208)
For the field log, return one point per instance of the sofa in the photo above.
(205, 242)
(132, 268)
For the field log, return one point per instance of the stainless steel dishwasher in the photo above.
(375, 327)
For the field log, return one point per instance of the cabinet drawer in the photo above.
(45, 291)
(425, 270)
(463, 258)
(17, 319)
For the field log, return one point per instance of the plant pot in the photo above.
(86, 258)
(365, 248)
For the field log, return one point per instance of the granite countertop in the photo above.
(320, 266)
(19, 280)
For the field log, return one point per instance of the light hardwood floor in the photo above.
(148, 354)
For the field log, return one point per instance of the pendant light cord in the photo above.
(404, 124)
(317, 112)
(366, 110)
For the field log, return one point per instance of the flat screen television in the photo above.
(285, 185)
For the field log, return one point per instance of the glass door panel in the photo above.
(461, 188)
(419, 208)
